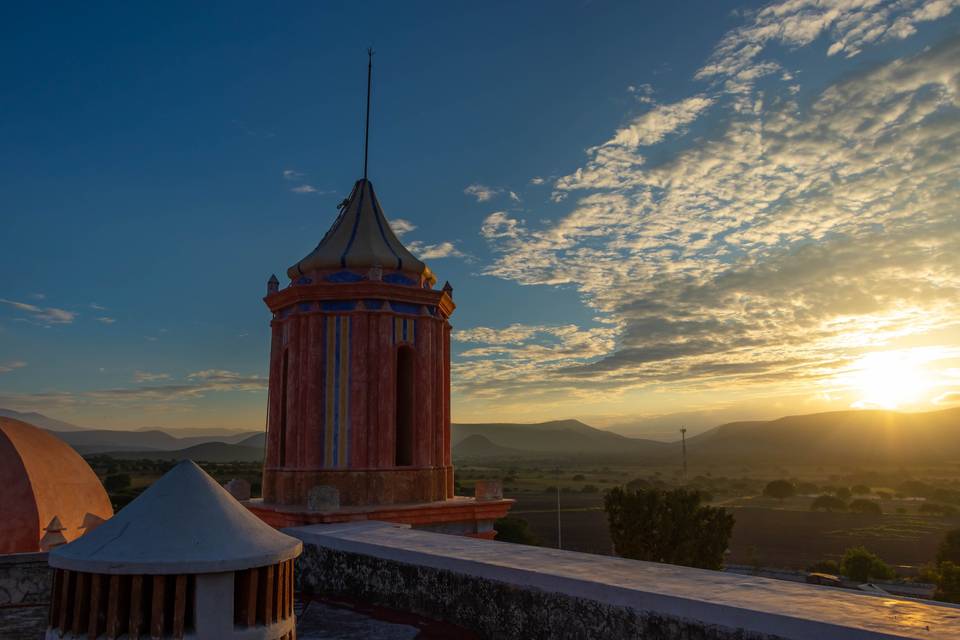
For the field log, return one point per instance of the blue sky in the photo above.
(645, 211)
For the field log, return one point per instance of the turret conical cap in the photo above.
(360, 238)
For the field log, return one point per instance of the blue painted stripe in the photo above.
(346, 409)
(336, 393)
(376, 204)
(356, 223)
(323, 395)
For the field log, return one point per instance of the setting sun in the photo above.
(890, 379)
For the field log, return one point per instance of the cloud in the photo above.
(432, 251)
(38, 296)
(43, 316)
(291, 174)
(304, 188)
(773, 252)
(499, 224)
(196, 385)
(146, 376)
(97, 307)
(849, 27)
(401, 226)
(482, 193)
(106, 320)
(537, 180)
(7, 367)
(654, 125)
(948, 397)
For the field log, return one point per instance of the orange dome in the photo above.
(41, 477)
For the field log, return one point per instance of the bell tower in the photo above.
(359, 395)
(358, 414)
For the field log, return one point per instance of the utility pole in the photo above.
(683, 440)
(559, 529)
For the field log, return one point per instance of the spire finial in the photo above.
(366, 133)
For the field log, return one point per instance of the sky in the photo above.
(651, 215)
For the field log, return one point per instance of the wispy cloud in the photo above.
(433, 251)
(44, 316)
(106, 320)
(482, 192)
(7, 367)
(97, 307)
(304, 188)
(196, 385)
(146, 376)
(401, 226)
(778, 249)
(292, 174)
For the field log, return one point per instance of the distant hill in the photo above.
(206, 452)
(39, 420)
(257, 440)
(478, 446)
(836, 437)
(560, 437)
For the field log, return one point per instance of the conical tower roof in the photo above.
(184, 523)
(360, 238)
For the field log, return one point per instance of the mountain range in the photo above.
(833, 437)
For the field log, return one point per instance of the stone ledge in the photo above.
(504, 590)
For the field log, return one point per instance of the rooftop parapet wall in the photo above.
(503, 590)
(24, 595)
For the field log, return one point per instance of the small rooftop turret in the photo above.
(170, 564)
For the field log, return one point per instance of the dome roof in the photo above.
(41, 478)
(184, 523)
(360, 238)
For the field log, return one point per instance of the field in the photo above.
(768, 532)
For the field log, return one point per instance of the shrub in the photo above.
(860, 489)
(862, 505)
(514, 529)
(779, 489)
(948, 584)
(938, 509)
(843, 493)
(828, 503)
(860, 564)
(578, 477)
(667, 526)
(589, 488)
(825, 566)
(807, 488)
(116, 482)
(949, 550)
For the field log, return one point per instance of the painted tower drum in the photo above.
(359, 395)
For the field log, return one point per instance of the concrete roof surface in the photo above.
(184, 523)
(759, 605)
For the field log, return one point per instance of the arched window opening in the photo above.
(282, 444)
(404, 402)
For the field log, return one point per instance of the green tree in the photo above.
(949, 550)
(825, 566)
(828, 503)
(669, 526)
(948, 583)
(779, 489)
(862, 505)
(514, 529)
(116, 482)
(860, 564)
